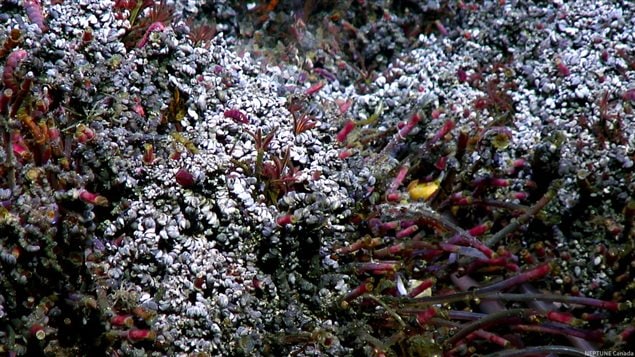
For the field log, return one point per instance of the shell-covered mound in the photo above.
(316, 178)
(172, 195)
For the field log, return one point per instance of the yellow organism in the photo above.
(423, 190)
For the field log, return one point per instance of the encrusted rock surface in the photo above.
(196, 192)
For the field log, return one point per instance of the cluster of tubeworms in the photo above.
(442, 256)
(461, 246)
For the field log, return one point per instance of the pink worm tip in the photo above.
(93, 198)
(401, 175)
(314, 88)
(425, 316)
(285, 220)
(414, 120)
(407, 231)
(445, 129)
(422, 287)
(154, 27)
(185, 178)
(562, 317)
(122, 320)
(345, 154)
(237, 116)
(348, 127)
(480, 229)
(141, 334)
(362, 289)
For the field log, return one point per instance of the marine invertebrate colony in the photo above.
(494, 229)
(166, 191)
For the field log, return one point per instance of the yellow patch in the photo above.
(501, 141)
(422, 191)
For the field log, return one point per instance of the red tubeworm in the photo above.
(401, 175)
(348, 127)
(424, 316)
(84, 134)
(535, 273)
(285, 220)
(8, 74)
(461, 75)
(480, 229)
(441, 28)
(386, 226)
(138, 107)
(343, 105)
(414, 120)
(493, 338)
(185, 178)
(460, 199)
(563, 70)
(365, 242)
(20, 149)
(237, 116)
(345, 154)
(148, 153)
(516, 165)
(626, 333)
(520, 195)
(122, 320)
(392, 250)
(154, 27)
(93, 198)
(499, 182)
(441, 163)
(141, 334)
(326, 74)
(423, 286)
(37, 331)
(380, 268)
(12, 41)
(564, 317)
(314, 88)
(362, 289)
(55, 141)
(407, 231)
(87, 36)
(34, 12)
(445, 129)
(473, 242)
